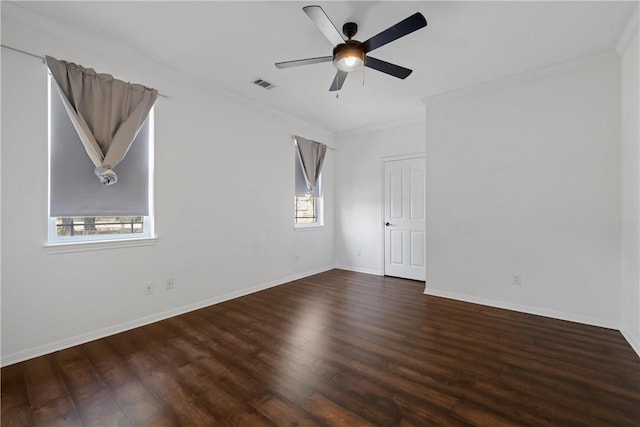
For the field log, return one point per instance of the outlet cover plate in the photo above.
(148, 288)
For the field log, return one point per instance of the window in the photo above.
(307, 207)
(81, 208)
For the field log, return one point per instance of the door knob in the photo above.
(388, 224)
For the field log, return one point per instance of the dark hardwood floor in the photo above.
(337, 349)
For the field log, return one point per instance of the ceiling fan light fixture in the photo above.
(348, 58)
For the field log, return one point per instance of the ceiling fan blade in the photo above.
(299, 62)
(401, 29)
(338, 81)
(387, 67)
(324, 24)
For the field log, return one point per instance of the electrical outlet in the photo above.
(148, 288)
(170, 284)
(358, 253)
(296, 258)
(516, 279)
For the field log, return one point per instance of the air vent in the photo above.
(263, 83)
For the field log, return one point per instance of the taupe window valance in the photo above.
(106, 112)
(311, 155)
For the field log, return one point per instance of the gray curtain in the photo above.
(312, 158)
(301, 183)
(107, 113)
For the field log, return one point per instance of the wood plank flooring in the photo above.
(335, 349)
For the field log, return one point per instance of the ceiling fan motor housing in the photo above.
(348, 56)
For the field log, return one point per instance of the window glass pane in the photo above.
(306, 212)
(88, 226)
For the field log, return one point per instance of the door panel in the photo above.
(397, 247)
(404, 218)
(417, 248)
(395, 193)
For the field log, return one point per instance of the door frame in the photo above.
(420, 155)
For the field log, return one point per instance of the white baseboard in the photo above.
(41, 350)
(634, 342)
(523, 308)
(360, 270)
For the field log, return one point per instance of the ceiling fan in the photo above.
(350, 55)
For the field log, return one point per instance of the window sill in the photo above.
(308, 227)
(98, 245)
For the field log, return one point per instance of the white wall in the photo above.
(523, 177)
(359, 192)
(224, 179)
(630, 252)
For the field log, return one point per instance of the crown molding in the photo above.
(523, 77)
(629, 34)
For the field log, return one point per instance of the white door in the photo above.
(404, 218)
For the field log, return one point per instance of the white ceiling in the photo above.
(229, 44)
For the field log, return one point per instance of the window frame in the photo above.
(87, 238)
(319, 217)
(148, 221)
